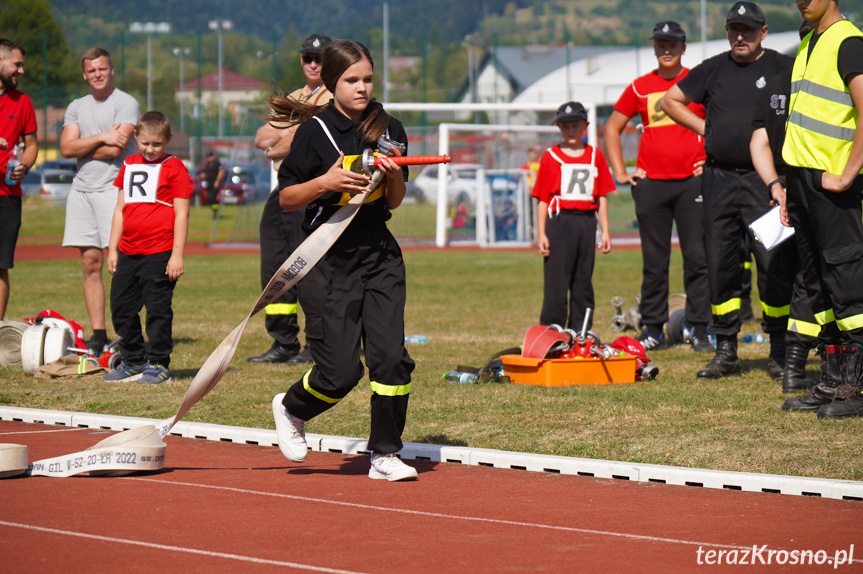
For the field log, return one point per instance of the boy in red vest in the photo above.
(571, 185)
(145, 254)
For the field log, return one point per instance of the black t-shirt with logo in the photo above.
(772, 112)
(730, 92)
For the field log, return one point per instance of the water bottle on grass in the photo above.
(416, 339)
(459, 377)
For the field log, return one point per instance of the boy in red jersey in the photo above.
(666, 188)
(571, 185)
(145, 254)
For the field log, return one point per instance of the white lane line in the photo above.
(177, 548)
(451, 516)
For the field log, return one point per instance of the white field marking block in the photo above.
(63, 418)
(697, 477)
(339, 444)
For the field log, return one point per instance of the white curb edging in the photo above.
(636, 472)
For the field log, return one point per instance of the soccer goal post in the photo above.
(447, 130)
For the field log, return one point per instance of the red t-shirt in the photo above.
(667, 150)
(17, 118)
(148, 217)
(579, 180)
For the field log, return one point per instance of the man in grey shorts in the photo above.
(97, 132)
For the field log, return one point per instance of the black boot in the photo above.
(794, 378)
(848, 399)
(822, 393)
(725, 362)
(776, 359)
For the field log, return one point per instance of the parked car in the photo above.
(52, 185)
(68, 164)
(243, 183)
(461, 181)
(413, 193)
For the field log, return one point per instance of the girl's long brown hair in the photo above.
(335, 59)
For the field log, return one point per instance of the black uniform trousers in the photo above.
(140, 281)
(829, 237)
(568, 268)
(355, 295)
(659, 204)
(734, 198)
(281, 233)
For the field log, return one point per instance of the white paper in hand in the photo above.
(769, 231)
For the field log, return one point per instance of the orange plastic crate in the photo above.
(564, 372)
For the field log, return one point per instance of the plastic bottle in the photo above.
(756, 338)
(13, 163)
(416, 339)
(458, 377)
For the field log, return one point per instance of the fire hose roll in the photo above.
(11, 333)
(32, 345)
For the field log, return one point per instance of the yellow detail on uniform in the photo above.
(769, 311)
(804, 328)
(822, 118)
(825, 317)
(390, 390)
(281, 309)
(353, 163)
(747, 265)
(314, 393)
(82, 365)
(850, 323)
(727, 307)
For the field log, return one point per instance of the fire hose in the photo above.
(10, 342)
(142, 448)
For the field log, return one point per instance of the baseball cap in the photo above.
(746, 13)
(570, 112)
(315, 44)
(669, 30)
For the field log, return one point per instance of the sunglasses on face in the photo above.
(308, 59)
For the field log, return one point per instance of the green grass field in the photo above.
(470, 304)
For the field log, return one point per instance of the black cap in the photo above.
(315, 44)
(746, 13)
(669, 30)
(570, 112)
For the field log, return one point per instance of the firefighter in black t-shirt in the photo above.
(734, 196)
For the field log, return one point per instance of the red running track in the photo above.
(225, 507)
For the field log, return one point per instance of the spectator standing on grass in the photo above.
(212, 177)
(281, 231)
(145, 254)
(17, 121)
(728, 85)
(824, 152)
(571, 185)
(768, 136)
(666, 189)
(354, 297)
(97, 131)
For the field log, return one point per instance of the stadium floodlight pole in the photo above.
(150, 28)
(703, 30)
(181, 53)
(219, 26)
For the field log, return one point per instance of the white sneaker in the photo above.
(390, 467)
(291, 432)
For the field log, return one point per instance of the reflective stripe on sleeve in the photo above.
(281, 309)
